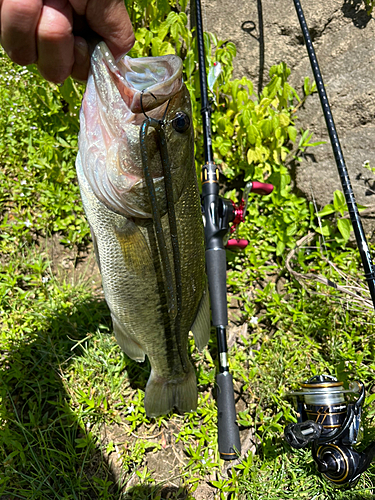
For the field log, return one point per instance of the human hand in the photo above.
(52, 33)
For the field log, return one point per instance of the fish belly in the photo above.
(134, 284)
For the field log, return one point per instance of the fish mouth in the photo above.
(145, 83)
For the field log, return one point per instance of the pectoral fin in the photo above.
(127, 344)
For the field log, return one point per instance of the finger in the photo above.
(81, 65)
(19, 19)
(110, 19)
(79, 6)
(55, 40)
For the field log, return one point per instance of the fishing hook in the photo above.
(162, 121)
(142, 109)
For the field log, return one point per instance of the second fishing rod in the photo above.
(339, 157)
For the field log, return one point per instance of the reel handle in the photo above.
(237, 244)
(301, 434)
(228, 433)
(261, 188)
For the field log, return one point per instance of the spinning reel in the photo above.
(333, 426)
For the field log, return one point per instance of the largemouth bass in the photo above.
(140, 293)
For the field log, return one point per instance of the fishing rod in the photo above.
(325, 419)
(215, 229)
(217, 214)
(339, 157)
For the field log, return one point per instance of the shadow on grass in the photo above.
(46, 451)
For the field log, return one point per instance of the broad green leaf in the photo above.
(214, 39)
(265, 102)
(339, 202)
(235, 85)
(251, 156)
(221, 124)
(327, 210)
(284, 119)
(252, 133)
(247, 83)
(267, 128)
(292, 229)
(182, 19)
(189, 63)
(148, 37)
(292, 132)
(183, 4)
(207, 44)
(344, 226)
(166, 48)
(280, 247)
(155, 46)
(172, 18)
(261, 154)
(325, 229)
(175, 31)
(273, 87)
(242, 97)
(225, 147)
(162, 31)
(231, 48)
(229, 128)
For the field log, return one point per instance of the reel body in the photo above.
(332, 426)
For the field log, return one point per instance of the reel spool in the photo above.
(332, 425)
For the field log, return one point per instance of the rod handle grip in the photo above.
(216, 265)
(228, 432)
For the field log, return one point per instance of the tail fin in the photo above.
(162, 395)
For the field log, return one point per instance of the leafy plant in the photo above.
(328, 228)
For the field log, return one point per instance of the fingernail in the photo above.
(81, 59)
(81, 49)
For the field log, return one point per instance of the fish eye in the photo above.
(181, 122)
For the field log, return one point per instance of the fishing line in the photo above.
(141, 103)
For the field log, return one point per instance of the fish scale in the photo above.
(117, 206)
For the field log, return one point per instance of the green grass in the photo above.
(72, 421)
